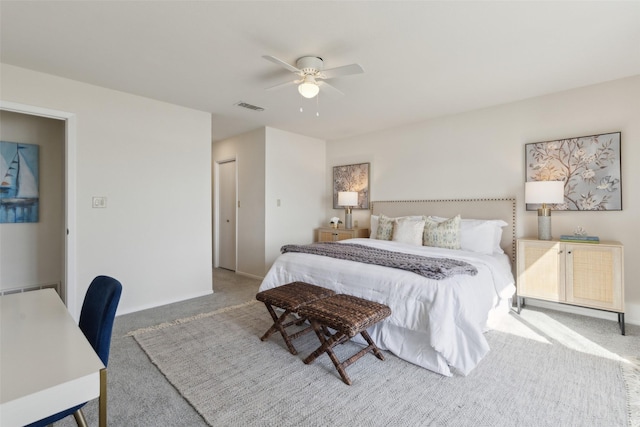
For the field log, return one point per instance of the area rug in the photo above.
(218, 363)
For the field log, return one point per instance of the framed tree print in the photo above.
(352, 178)
(589, 166)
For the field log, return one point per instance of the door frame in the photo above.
(69, 282)
(216, 210)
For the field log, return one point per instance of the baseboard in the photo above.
(631, 316)
(253, 276)
(52, 285)
(164, 302)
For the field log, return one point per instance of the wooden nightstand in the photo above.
(583, 274)
(329, 234)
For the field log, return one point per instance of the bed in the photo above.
(437, 324)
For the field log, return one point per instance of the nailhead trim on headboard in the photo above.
(505, 199)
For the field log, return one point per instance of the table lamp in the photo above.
(348, 199)
(544, 192)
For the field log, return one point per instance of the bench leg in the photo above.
(370, 348)
(278, 325)
(373, 347)
(326, 346)
(324, 342)
(339, 338)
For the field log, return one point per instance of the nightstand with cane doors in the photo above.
(582, 274)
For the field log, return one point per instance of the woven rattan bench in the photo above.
(290, 298)
(348, 316)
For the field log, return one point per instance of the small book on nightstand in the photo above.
(579, 239)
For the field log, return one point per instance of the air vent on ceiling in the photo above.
(249, 106)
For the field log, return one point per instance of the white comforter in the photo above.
(436, 324)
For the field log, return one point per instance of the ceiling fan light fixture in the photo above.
(308, 88)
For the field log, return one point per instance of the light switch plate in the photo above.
(99, 202)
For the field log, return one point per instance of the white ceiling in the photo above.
(422, 59)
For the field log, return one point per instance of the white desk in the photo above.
(46, 363)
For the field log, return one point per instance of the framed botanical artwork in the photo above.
(589, 166)
(19, 182)
(352, 178)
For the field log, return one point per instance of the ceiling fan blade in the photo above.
(326, 87)
(345, 70)
(281, 85)
(281, 63)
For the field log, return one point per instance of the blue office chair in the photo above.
(96, 321)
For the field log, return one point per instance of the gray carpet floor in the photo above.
(139, 395)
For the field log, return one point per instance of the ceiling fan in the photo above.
(312, 75)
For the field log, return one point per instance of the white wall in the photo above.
(33, 253)
(273, 164)
(481, 154)
(152, 162)
(295, 175)
(248, 150)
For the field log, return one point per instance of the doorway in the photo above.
(227, 215)
(69, 275)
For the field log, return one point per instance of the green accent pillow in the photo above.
(445, 234)
(385, 228)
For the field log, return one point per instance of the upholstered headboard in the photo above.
(504, 209)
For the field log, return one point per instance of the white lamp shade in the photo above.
(347, 198)
(308, 88)
(544, 192)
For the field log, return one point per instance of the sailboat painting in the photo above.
(19, 195)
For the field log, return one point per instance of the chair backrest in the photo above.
(98, 313)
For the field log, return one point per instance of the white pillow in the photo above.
(407, 230)
(479, 235)
(483, 236)
(374, 226)
(375, 221)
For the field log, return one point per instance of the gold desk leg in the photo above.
(80, 419)
(102, 400)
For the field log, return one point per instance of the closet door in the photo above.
(227, 228)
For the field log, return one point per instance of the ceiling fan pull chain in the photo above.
(318, 105)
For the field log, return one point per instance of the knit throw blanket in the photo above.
(432, 268)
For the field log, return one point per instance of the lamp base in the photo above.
(348, 219)
(544, 227)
